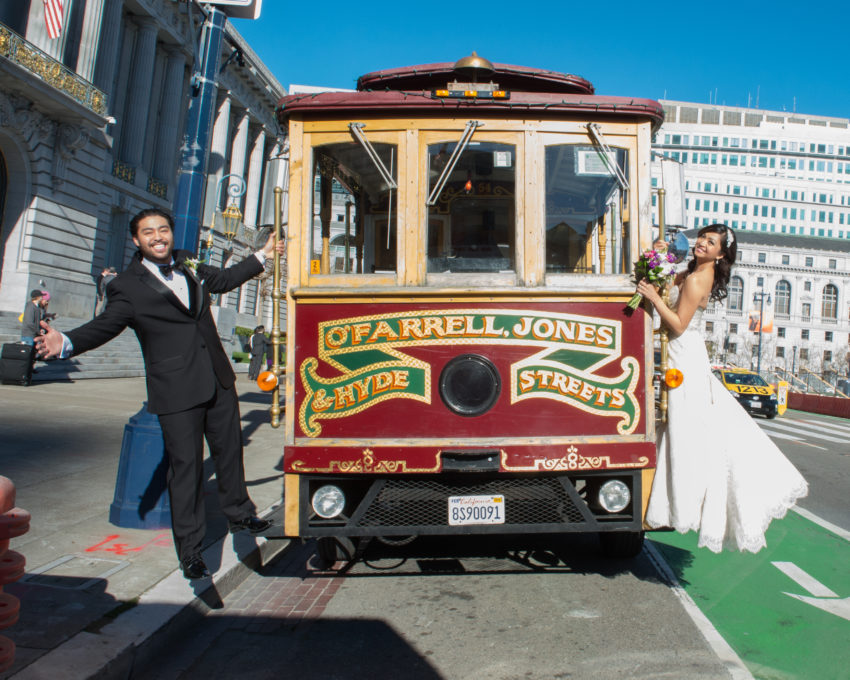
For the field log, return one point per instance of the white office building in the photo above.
(768, 171)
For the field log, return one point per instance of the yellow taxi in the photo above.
(750, 389)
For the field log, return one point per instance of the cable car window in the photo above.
(471, 223)
(586, 210)
(354, 210)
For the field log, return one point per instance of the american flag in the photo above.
(53, 11)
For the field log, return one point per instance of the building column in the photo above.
(165, 157)
(218, 156)
(155, 97)
(238, 152)
(90, 39)
(255, 176)
(121, 82)
(139, 91)
(108, 50)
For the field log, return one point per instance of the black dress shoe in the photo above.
(194, 567)
(253, 524)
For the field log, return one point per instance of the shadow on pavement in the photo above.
(51, 607)
(270, 648)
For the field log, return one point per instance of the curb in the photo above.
(142, 632)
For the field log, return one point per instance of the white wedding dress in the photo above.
(717, 473)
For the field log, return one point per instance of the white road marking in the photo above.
(824, 599)
(803, 579)
(796, 429)
(737, 669)
(780, 435)
(829, 526)
(831, 605)
(820, 426)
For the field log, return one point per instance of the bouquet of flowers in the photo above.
(657, 267)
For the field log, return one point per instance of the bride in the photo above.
(717, 473)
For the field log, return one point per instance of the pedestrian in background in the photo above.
(259, 346)
(45, 315)
(103, 280)
(31, 317)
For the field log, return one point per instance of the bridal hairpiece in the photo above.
(729, 236)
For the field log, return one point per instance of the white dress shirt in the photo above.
(175, 281)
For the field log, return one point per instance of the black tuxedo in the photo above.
(190, 383)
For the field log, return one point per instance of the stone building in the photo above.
(91, 127)
(804, 282)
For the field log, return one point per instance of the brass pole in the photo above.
(276, 368)
(663, 333)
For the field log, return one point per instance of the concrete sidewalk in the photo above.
(95, 594)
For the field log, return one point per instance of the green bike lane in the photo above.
(785, 611)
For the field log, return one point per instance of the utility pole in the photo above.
(193, 154)
(760, 297)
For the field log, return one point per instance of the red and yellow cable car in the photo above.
(459, 354)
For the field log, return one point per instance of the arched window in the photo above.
(735, 300)
(829, 308)
(783, 299)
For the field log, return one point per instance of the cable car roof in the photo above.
(532, 91)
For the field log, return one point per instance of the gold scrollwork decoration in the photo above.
(366, 464)
(124, 172)
(572, 461)
(157, 187)
(29, 57)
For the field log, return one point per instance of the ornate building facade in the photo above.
(91, 127)
(802, 284)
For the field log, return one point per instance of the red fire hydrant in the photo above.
(13, 522)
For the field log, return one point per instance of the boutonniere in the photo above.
(191, 264)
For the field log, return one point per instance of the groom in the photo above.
(165, 299)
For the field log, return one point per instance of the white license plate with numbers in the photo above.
(476, 510)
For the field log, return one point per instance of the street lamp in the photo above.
(231, 215)
(760, 298)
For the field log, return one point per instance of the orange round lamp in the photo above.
(673, 377)
(267, 381)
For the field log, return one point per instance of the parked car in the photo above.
(750, 389)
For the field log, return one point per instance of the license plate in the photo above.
(476, 510)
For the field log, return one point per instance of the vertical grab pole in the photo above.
(276, 368)
(665, 295)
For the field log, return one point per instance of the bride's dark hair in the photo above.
(723, 266)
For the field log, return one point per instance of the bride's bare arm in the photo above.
(694, 289)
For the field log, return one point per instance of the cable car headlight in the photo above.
(328, 501)
(614, 495)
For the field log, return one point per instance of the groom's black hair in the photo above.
(723, 266)
(149, 212)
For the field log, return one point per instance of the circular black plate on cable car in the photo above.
(470, 385)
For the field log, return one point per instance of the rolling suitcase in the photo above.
(16, 363)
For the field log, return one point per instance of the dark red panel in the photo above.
(426, 415)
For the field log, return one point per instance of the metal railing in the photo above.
(40, 64)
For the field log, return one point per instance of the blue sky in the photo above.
(779, 55)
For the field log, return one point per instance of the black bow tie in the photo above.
(166, 269)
